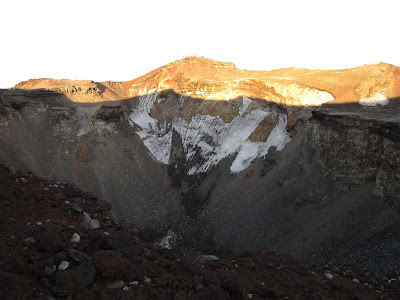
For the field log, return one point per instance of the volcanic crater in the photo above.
(297, 161)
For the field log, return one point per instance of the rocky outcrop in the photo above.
(357, 150)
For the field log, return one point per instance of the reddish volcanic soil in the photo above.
(38, 219)
(196, 73)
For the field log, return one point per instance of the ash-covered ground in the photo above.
(58, 242)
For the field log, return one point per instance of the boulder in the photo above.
(50, 238)
(204, 258)
(69, 282)
(78, 255)
(112, 263)
(88, 222)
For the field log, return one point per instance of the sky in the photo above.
(121, 40)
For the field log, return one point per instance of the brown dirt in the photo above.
(32, 207)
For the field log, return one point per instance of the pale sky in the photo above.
(121, 40)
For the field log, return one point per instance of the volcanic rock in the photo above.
(69, 282)
(112, 263)
(50, 238)
(78, 255)
(118, 284)
(63, 266)
(204, 258)
(75, 238)
(88, 222)
(29, 241)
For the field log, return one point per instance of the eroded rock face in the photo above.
(227, 159)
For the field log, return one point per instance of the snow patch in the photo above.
(207, 137)
(182, 99)
(297, 94)
(156, 137)
(243, 108)
(212, 139)
(168, 241)
(374, 100)
(251, 150)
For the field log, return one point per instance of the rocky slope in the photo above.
(293, 160)
(49, 251)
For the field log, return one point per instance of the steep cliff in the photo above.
(293, 160)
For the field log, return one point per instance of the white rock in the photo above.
(75, 238)
(134, 283)
(204, 258)
(39, 223)
(329, 276)
(29, 241)
(63, 265)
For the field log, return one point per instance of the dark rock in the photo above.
(109, 114)
(78, 255)
(119, 240)
(113, 264)
(50, 238)
(165, 280)
(116, 284)
(98, 238)
(181, 295)
(59, 257)
(48, 271)
(230, 284)
(69, 282)
(85, 295)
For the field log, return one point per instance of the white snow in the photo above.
(207, 136)
(168, 241)
(251, 150)
(297, 94)
(374, 100)
(243, 108)
(156, 137)
(182, 99)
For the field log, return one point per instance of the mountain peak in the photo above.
(208, 79)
